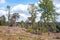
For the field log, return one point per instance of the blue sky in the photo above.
(16, 2)
(20, 6)
(21, 1)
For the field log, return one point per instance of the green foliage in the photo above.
(30, 30)
(44, 29)
(8, 7)
(15, 16)
(22, 37)
(3, 20)
(35, 26)
(32, 10)
(48, 13)
(23, 24)
(58, 28)
(12, 20)
(38, 39)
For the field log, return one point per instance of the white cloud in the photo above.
(58, 10)
(2, 12)
(24, 15)
(20, 7)
(57, 5)
(22, 10)
(36, 4)
(2, 1)
(56, 1)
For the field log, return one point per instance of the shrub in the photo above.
(30, 30)
(35, 26)
(58, 28)
(44, 29)
(23, 37)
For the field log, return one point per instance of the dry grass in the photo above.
(17, 33)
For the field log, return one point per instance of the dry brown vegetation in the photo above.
(18, 33)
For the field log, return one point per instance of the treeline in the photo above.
(47, 21)
(2, 20)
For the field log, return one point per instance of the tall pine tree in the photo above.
(48, 14)
(32, 10)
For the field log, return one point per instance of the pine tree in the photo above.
(32, 10)
(48, 14)
(8, 7)
(3, 20)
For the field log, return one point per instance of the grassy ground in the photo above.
(17, 37)
(17, 33)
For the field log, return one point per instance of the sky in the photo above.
(20, 6)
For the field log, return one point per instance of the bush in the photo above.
(44, 29)
(23, 37)
(35, 26)
(58, 28)
(38, 39)
(30, 30)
